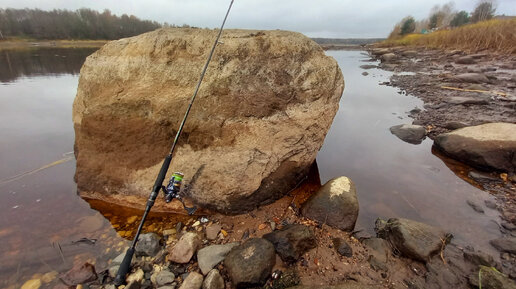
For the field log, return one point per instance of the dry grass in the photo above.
(493, 35)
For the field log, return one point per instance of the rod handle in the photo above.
(162, 174)
(124, 267)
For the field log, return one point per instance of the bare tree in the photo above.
(485, 10)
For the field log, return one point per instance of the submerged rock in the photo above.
(490, 146)
(465, 60)
(334, 204)
(490, 278)
(263, 110)
(79, 274)
(250, 264)
(292, 241)
(413, 239)
(410, 133)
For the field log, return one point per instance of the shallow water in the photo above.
(395, 178)
(41, 216)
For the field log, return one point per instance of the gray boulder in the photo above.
(472, 78)
(192, 281)
(148, 245)
(250, 264)
(213, 280)
(292, 241)
(209, 257)
(505, 244)
(410, 133)
(335, 204)
(465, 60)
(486, 146)
(479, 100)
(164, 277)
(413, 239)
(184, 249)
(388, 58)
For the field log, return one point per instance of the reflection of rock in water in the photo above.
(42, 61)
(263, 111)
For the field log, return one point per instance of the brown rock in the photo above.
(184, 249)
(263, 110)
(79, 274)
(212, 231)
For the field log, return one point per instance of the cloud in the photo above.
(327, 18)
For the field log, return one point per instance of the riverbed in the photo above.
(45, 226)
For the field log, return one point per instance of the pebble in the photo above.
(212, 231)
(197, 223)
(131, 219)
(136, 276)
(31, 284)
(49, 277)
(169, 232)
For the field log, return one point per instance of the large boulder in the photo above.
(263, 110)
(334, 204)
(486, 146)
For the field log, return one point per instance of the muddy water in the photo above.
(395, 178)
(45, 226)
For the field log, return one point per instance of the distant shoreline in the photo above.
(32, 43)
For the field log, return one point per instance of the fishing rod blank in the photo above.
(126, 263)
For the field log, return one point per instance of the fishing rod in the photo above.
(172, 190)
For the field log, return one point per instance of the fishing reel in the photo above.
(172, 190)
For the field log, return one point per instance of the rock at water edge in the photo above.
(335, 204)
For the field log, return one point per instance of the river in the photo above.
(46, 226)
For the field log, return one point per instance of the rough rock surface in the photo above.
(184, 249)
(413, 239)
(491, 145)
(263, 110)
(213, 280)
(292, 241)
(507, 244)
(410, 133)
(208, 257)
(250, 264)
(148, 244)
(192, 281)
(347, 285)
(79, 274)
(379, 251)
(335, 204)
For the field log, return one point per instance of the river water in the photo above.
(46, 226)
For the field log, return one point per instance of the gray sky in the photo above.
(323, 18)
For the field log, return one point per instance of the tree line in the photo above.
(443, 17)
(65, 24)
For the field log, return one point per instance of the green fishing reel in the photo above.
(173, 189)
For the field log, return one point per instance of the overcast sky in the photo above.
(323, 18)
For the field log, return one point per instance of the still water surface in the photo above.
(43, 221)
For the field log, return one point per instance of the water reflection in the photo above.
(394, 178)
(47, 61)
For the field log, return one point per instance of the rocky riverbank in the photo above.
(469, 110)
(290, 244)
